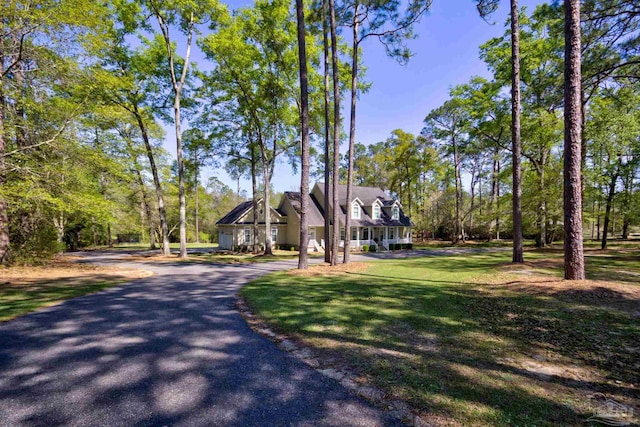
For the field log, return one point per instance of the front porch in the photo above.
(381, 237)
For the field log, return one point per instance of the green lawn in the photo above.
(466, 343)
(26, 289)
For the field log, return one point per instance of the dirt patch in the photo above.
(596, 290)
(63, 268)
(329, 270)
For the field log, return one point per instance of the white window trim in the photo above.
(245, 236)
(274, 238)
(395, 212)
(353, 205)
(376, 211)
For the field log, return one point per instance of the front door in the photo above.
(312, 235)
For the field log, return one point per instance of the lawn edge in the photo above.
(396, 408)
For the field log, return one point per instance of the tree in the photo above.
(486, 7)
(129, 79)
(336, 133)
(304, 131)
(185, 15)
(448, 125)
(381, 20)
(573, 249)
(255, 82)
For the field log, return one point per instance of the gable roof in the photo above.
(241, 210)
(316, 214)
(368, 195)
(236, 213)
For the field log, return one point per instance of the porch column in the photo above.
(357, 236)
(370, 234)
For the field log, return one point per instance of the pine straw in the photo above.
(529, 278)
(63, 268)
(331, 270)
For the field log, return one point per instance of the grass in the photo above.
(437, 243)
(469, 340)
(222, 257)
(26, 289)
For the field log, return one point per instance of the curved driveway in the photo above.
(169, 349)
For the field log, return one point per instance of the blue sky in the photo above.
(446, 54)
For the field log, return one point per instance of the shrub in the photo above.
(392, 246)
(365, 248)
(292, 248)
(373, 248)
(409, 245)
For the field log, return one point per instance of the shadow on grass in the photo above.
(450, 346)
(16, 300)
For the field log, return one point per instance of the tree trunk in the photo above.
(573, 248)
(607, 211)
(456, 165)
(266, 180)
(145, 198)
(352, 132)
(110, 240)
(254, 190)
(156, 181)
(5, 254)
(516, 145)
(178, 84)
(498, 200)
(181, 195)
(197, 172)
(541, 240)
(327, 125)
(336, 135)
(494, 194)
(304, 127)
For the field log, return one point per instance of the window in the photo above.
(274, 234)
(341, 233)
(355, 210)
(354, 233)
(391, 233)
(376, 211)
(396, 212)
(365, 233)
(247, 236)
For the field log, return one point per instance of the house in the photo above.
(376, 219)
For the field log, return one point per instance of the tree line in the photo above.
(86, 89)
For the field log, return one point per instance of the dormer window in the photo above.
(376, 211)
(395, 212)
(355, 210)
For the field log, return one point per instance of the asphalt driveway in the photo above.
(169, 349)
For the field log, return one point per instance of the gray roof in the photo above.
(367, 196)
(235, 214)
(316, 215)
(241, 210)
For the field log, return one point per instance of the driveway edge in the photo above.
(397, 409)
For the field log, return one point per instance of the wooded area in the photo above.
(87, 87)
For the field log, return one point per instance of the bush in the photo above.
(409, 245)
(365, 248)
(373, 248)
(392, 246)
(292, 248)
